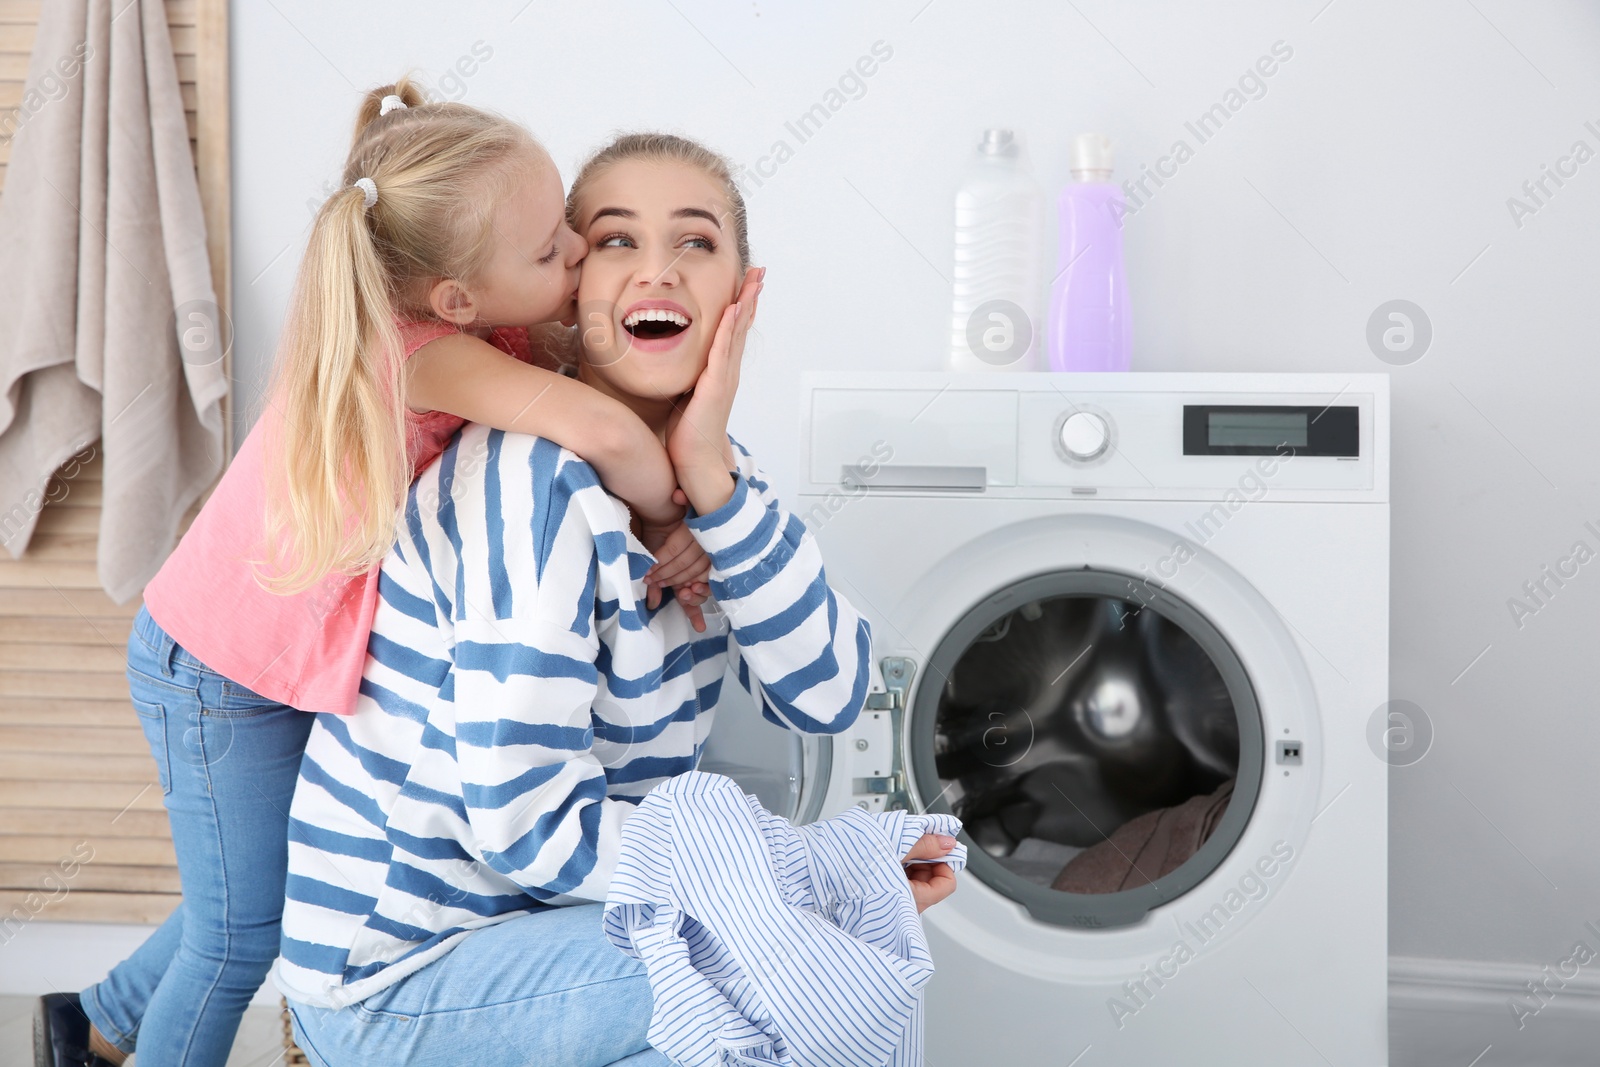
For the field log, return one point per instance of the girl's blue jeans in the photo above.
(227, 760)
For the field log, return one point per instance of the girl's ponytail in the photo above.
(336, 437)
(336, 444)
(410, 94)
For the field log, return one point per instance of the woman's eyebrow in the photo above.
(619, 212)
(697, 213)
(681, 213)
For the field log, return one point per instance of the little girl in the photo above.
(410, 315)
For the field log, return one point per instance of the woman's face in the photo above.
(663, 263)
(531, 275)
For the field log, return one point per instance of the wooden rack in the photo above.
(76, 775)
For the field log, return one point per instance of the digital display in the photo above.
(1257, 429)
(1268, 429)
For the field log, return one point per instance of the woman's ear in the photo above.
(452, 303)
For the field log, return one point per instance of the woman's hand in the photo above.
(697, 432)
(930, 882)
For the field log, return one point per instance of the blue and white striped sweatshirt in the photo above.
(519, 700)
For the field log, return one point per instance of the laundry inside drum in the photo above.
(1088, 744)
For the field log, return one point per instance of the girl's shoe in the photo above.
(61, 1034)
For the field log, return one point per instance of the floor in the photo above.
(260, 1041)
(1417, 1039)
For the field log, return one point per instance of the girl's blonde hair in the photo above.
(664, 148)
(338, 460)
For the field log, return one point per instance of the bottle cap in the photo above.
(997, 142)
(1091, 157)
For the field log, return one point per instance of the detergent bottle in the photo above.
(998, 284)
(1090, 329)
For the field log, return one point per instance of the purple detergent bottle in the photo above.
(1089, 325)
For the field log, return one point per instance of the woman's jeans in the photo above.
(228, 759)
(545, 990)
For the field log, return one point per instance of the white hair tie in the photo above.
(390, 103)
(369, 191)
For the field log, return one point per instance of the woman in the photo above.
(450, 227)
(521, 696)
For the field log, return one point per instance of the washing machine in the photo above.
(1133, 630)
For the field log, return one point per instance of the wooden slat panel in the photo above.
(77, 793)
(82, 906)
(62, 686)
(74, 765)
(182, 12)
(27, 573)
(11, 96)
(116, 851)
(74, 547)
(91, 876)
(105, 658)
(31, 766)
(18, 36)
(53, 711)
(66, 603)
(68, 520)
(68, 631)
(179, 12)
(92, 825)
(80, 494)
(102, 740)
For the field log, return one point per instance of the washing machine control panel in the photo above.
(1134, 436)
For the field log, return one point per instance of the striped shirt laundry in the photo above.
(519, 700)
(768, 943)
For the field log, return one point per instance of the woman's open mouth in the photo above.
(655, 328)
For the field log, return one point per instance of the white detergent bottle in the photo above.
(996, 321)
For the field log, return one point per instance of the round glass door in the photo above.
(784, 769)
(1099, 740)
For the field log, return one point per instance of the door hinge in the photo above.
(880, 748)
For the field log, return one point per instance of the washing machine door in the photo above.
(784, 769)
(1099, 739)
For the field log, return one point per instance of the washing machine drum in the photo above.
(1099, 739)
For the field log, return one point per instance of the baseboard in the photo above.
(43, 957)
(69, 956)
(1432, 984)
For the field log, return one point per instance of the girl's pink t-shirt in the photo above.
(306, 650)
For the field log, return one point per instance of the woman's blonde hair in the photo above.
(664, 148)
(337, 459)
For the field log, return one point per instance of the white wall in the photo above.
(1377, 166)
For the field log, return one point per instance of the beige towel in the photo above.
(102, 268)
